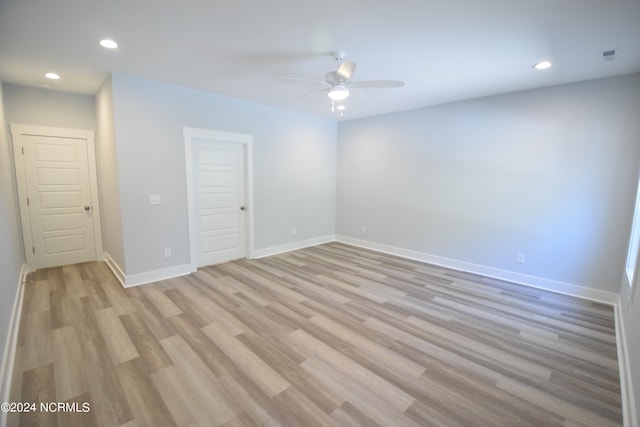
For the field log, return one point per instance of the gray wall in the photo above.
(549, 173)
(45, 107)
(30, 106)
(108, 185)
(11, 247)
(294, 168)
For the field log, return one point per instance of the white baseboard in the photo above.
(128, 281)
(274, 250)
(157, 275)
(115, 269)
(624, 365)
(9, 355)
(522, 279)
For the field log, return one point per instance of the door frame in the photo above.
(17, 133)
(247, 144)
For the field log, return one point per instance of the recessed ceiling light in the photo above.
(109, 44)
(52, 76)
(542, 65)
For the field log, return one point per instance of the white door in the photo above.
(54, 170)
(218, 169)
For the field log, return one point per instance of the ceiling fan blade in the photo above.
(345, 70)
(300, 79)
(313, 93)
(377, 84)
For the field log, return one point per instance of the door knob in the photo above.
(243, 208)
(87, 208)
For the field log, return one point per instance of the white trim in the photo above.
(9, 354)
(17, 131)
(47, 131)
(25, 220)
(146, 277)
(287, 247)
(95, 197)
(115, 269)
(156, 275)
(624, 365)
(522, 279)
(247, 141)
(250, 220)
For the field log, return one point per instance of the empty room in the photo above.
(413, 213)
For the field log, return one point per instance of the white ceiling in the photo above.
(444, 50)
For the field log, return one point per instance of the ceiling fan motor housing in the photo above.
(332, 77)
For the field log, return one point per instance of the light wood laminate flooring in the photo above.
(326, 336)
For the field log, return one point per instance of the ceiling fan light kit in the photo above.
(338, 82)
(338, 92)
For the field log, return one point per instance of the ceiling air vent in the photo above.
(608, 55)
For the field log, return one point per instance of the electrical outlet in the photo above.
(294, 231)
(167, 252)
(520, 258)
(154, 199)
(363, 230)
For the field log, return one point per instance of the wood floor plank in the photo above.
(367, 399)
(255, 404)
(216, 360)
(349, 415)
(403, 367)
(165, 306)
(144, 399)
(117, 295)
(242, 420)
(331, 335)
(571, 412)
(502, 357)
(38, 386)
(395, 396)
(290, 369)
(69, 380)
(297, 409)
(117, 340)
(265, 377)
(212, 312)
(190, 382)
(110, 404)
(145, 343)
(111, 407)
(36, 339)
(153, 318)
(79, 415)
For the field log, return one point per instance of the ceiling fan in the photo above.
(337, 84)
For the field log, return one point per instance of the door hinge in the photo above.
(22, 148)
(33, 249)
(27, 201)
